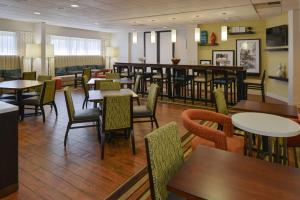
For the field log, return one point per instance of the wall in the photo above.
(269, 60)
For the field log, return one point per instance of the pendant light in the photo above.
(153, 37)
(197, 34)
(134, 38)
(173, 36)
(224, 33)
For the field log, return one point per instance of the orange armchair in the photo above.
(221, 139)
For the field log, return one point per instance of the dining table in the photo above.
(122, 81)
(268, 125)
(212, 173)
(19, 86)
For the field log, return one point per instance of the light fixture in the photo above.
(36, 13)
(134, 38)
(32, 51)
(74, 6)
(197, 34)
(224, 33)
(173, 35)
(153, 37)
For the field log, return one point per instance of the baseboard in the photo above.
(275, 96)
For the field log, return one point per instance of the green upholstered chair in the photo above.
(110, 75)
(164, 157)
(42, 78)
(29, 76)
(98, 83)
(116, 116)
(106, 85)
(87, 72)
(136, 87)
(148, 110)
(85, 80)
(80, 116)
(221, 105)
(46, 97)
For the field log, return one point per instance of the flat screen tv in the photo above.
(277, 36)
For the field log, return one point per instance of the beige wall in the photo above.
(269, 60)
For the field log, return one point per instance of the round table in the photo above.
(266, 125)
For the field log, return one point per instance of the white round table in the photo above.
(266, 125)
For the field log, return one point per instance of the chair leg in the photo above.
(295, 157)
(151, 119)
(43, 113)
(67, 132)
(138, 101)
(156, 123)
(132, 141)
(102, 144)
(55, 108)
(83, 104)
(35, 110)
(263, 94)
(98, 131)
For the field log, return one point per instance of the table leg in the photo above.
(20, 103)
(285, 155)
(75, 81)
(250, 143)
(270, 148)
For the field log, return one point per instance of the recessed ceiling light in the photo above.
(165, 27)
(36, 13)
(74, 6)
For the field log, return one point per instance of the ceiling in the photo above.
(113, 15)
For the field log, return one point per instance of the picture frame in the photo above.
(223, 57)
(205, 62)
(248, 52)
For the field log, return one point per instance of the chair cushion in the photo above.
(253, 81)
(201, 79)
(141, 111)
(32, 101)
(87, 114)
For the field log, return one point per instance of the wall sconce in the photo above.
(224, 33)
(153, 36)
(197, 34)
(134, 38)
(173, 36)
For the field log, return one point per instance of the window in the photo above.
(71, 46)
(8, 43)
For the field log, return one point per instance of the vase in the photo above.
(213, 38)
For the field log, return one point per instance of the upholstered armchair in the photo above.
(221, 139)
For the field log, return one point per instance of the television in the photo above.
(277, 36)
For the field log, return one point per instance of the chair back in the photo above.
(98, 82)
(164, 157)
(137, 83)
(117, 112)
(29, 76)
(263, 78)
(221, 105)
(87, 72)
(48, 92)
(110, 75)
(108, 85)
(152, 98)
(69, 103)
(43, 78)
(85, 80)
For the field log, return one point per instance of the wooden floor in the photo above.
(48, 171)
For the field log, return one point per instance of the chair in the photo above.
(256, 84)
(200, 77)
(37, 91)
(47, 97)
(148, 110)
(221, 105)
(108, 85)
(109, 75)
(136, 87)
(85, 80)
(80, 116)
(222, 139)
(181, 83)
(164, 158)
(116, 116)
(29, 76)
(98, 82)
(87, 72)
(158, 77)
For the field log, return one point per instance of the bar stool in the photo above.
(181, 83)
(200, 77)
(140, 70)
(159, 77)
(256, 84)
(125, 71)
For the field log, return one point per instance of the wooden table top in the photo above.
(19, 84)
(271, 108)
(97, 95)
(122, 80)
(216, 174)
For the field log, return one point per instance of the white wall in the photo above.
(121, 41)
(137, 50)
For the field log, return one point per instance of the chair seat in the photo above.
(253, 81)
(201, 79)
(141, 111)
(7, 96)
(34, 101)
(87, 114)
(29, 94)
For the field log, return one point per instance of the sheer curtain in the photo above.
(8, 43)
(75, 46)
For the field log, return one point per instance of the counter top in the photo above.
(6, 107)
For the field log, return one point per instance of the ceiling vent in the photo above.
(271, 4)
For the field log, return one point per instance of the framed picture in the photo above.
(223, 57)
(205, 62)
(248, 55)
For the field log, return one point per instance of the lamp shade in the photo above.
(153, 36)
(33, 50)
(111, 52)
(173, 35)
(49, 51)
(134, 38)
(224, 33)
(197, 34)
